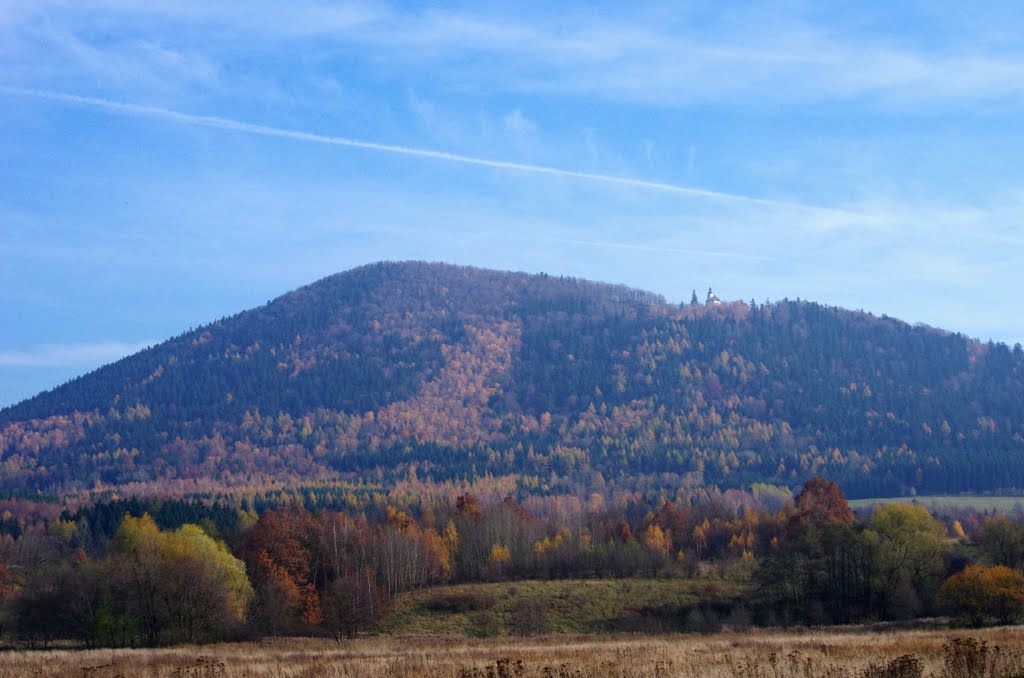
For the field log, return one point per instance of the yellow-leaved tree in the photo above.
(908, 545)
(179, 586)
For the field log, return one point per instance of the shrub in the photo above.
(460, 602)
(485, 624)
(966, 658)
(530, 618)
(907, 666)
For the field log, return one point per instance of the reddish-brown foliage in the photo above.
(821, 501)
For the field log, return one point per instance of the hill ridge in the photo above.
(412, 372)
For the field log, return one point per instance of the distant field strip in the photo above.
(950, 501)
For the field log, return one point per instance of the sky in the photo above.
(167, 163)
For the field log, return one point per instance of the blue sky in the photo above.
(166, 163)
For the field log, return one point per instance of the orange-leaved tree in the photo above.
(978, 593)
(821, 501)
(281, 551)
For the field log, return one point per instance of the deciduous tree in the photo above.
(978, 593)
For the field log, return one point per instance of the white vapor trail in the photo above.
(297, 135)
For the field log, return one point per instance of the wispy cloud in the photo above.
(755, 53)
(72, 355)
(660, 249)
(228, 124)
(518, 123)
(256, 18)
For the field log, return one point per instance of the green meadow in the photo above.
(570, 606)
(939, 502)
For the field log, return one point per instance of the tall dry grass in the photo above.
(820, 654)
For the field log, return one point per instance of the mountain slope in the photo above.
(399, 373)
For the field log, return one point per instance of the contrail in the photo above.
(217, 122)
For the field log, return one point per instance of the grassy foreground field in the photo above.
(1004, 504)
(829, 654)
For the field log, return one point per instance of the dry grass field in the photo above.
(839, 654)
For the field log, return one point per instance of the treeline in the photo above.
(203, 573)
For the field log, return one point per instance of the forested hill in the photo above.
(412, 375)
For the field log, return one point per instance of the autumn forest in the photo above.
(199, 572)
(410, 445)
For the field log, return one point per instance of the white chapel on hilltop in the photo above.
(712, 299)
